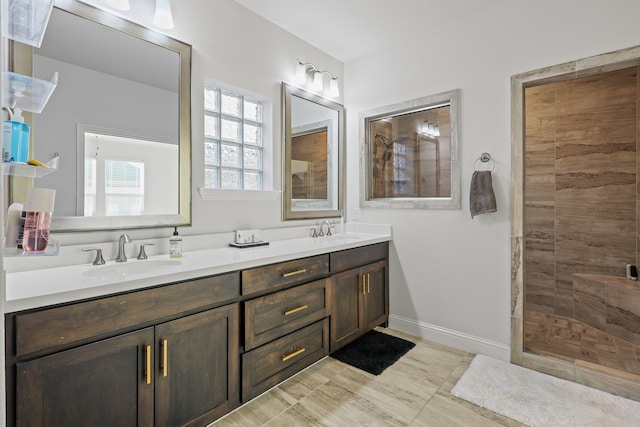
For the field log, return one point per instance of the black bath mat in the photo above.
(373, 352)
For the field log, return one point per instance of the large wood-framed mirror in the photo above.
(313, 155)
(119, 120)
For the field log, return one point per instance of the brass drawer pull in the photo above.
(165, 358)
(148, 364)
(294, 273)
(295, 310)
(293, 354)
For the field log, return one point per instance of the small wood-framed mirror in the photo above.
(313, 155)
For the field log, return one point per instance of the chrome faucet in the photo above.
(321, 232)
(122, 257)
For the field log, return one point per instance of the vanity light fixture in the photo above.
(300, 78)
(119, 4)
(301, 74)
(317, 81)
(162, 17)
(334, 91)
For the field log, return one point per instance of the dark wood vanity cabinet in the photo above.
(197, 369)
(359, 292)
(177, 366)
(287, 329)
(98, 384)
(184, 354)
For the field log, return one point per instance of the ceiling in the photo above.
(349, 29)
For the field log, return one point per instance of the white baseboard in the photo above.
(452, 338)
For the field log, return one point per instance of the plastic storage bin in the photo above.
(27, 20)
(26, 93)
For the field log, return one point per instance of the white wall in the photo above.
(450, 275)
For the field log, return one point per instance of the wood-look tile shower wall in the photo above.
(581, 172)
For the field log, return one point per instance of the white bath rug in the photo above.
(541, 400)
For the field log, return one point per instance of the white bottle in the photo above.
(175, 244)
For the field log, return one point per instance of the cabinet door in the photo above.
(101, 384)
(346, 301)
(198, 367)
(376, 307)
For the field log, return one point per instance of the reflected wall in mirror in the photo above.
(411, 154)
(119, 121)
(313, 155)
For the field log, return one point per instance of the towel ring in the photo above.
(484, 158)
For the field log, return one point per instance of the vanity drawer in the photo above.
(274, 276)
(62, 327)
(356, 257)
(266, 366)
(277, 314)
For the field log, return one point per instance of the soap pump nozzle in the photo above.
(15, 115)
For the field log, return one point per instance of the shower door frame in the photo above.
(597, 64)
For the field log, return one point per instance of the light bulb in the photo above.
(333, 88)
(162, 17)
(119, 4)
(301, 74)
(317, 82)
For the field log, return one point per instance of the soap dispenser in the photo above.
(175, 244)
(15, 138)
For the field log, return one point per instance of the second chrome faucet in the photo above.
(122, 257)
(319, 232)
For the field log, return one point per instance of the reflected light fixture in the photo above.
(163, 18)
(119, 4)
(430, 129)
(300, 78)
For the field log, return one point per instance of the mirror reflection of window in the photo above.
(411, 154)
(131, 182)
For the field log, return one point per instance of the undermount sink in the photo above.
(337, 239)
(131, 268)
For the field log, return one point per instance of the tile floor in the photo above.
(415, 391)
(547, 334)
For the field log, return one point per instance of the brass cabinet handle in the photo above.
(364, 287)
(368, 283)
(293, 273)
(148, 364)
(165, 359)
(295, 310)
(292, 354)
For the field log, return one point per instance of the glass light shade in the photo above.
(119, 4)
(301, 74)
(317, 82)
(333, 88)
(436, 131)
(162, 17)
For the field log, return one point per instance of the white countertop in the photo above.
(39, 288)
